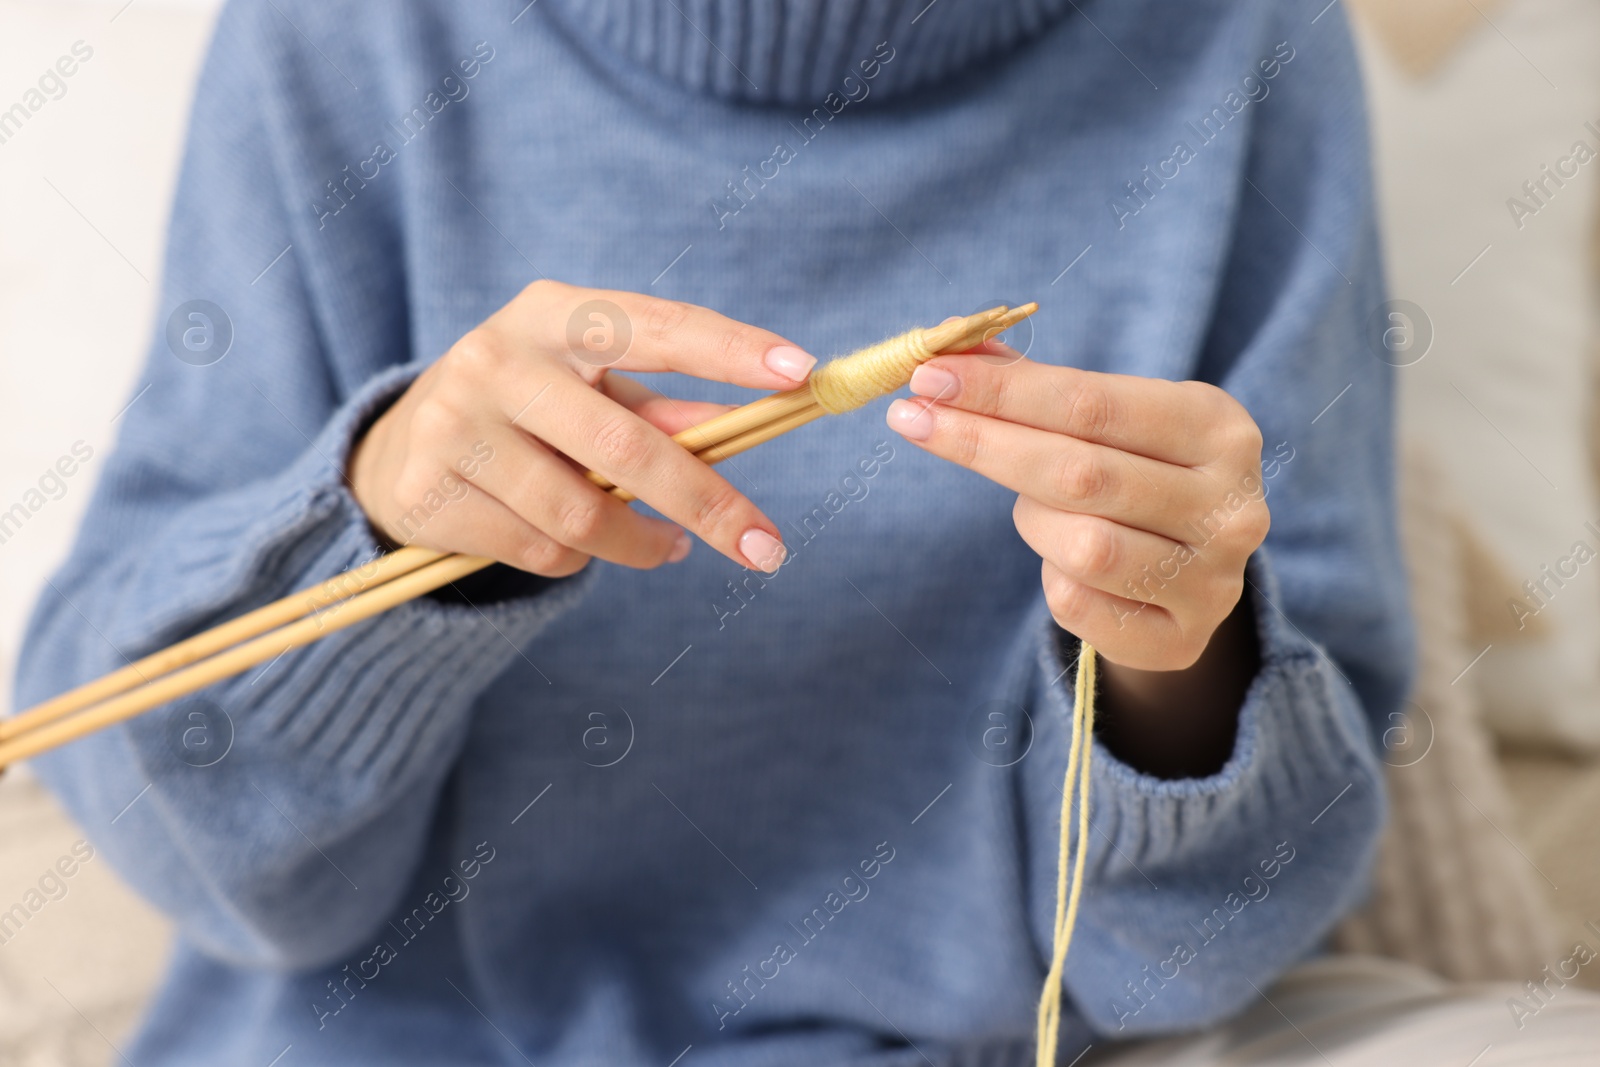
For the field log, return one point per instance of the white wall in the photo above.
(84, 189)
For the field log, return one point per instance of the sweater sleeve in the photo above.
(1201, 892)
(276, 816)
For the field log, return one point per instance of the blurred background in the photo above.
(1486, 129)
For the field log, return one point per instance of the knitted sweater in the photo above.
(699, 812)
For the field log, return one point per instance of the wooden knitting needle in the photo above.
(262, 620)
(226, 664)
(750, 425)
(980, 326)
(51, 726)
(744, 442)
(309, 602)
(957, 335)
(312, 613)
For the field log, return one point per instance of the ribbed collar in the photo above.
(799, 51)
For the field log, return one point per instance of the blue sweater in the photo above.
(803, 819)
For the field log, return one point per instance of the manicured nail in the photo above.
(935, 382)
(763, 551)
(910, 419)
(789, 362)
(680, 548)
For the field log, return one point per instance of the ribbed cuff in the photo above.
(1301, 730)
(1302, 780)
(368, 699)
(247, 547)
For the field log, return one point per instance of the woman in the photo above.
(790, 797)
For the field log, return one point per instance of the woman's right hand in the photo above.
(484, 454)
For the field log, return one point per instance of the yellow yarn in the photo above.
(861, 377)
(852, 382)
(1068, 895)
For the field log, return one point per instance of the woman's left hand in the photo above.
(1142, 496)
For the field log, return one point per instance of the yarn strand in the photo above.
(856, 380)
(846, 384)
(850, 383)
(1069, 890)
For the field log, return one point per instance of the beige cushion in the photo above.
(1503, 396)
(1452, 891)
(1420, 34)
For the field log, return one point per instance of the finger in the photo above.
(1175, 422)
(476, 524)
(1140, 636)
(613, 441)
(545, 491)
(1114, 559)
(665, 413)
(650, 334)
(1062, 471)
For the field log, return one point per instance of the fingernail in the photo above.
(763, 551)
(910, 419)
(789, 362)
(680, 548)
(935, 382)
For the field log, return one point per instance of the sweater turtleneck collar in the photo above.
(799, 51)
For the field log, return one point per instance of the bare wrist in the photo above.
(1182, 724)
